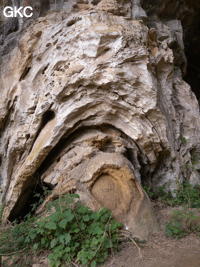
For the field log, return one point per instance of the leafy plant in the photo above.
(71, 233)
(1, 213)
(186, 194)
(183, 140)
(38, 197)
(195, 157)
(12, 237)
(174, 229)
(182, 223)
(160, 194)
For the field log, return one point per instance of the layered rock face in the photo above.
(93, 101)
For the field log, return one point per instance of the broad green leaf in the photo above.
(63, 223)
(67, 238)
(93, 264)
(86, 218)
(50, 226)
(35, 246)
(53, 243)
(69, 216)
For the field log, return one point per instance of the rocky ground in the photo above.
(158, 251)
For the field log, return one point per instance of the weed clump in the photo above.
(182, 223)
(186, 195)
(185, 221)
(70, 233)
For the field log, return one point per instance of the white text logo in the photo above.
(13, 12)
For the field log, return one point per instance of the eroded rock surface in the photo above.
(94, 102)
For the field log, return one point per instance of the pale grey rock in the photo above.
(95, 102)
(137, 11)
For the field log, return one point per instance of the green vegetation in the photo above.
(1, 212)
(183, 140)
(186, 195)
(195, 157)
(182, 223)
(73, 234)
(160, 194)
(70, 232)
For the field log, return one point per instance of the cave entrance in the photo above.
(30, 199)
(188, 12)
(192, 50)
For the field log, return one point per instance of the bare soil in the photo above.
(160, 251)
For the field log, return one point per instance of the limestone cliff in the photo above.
(93, 100)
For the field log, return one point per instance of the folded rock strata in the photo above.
(91, 102)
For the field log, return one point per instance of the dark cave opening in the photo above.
(46, 117)
(34, 189)
(192, 50)
(188, 12)
(30, 199)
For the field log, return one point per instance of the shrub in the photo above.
(182, 223)
(71, 233)
(187, 195)
(1, 212)
(160, 194)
